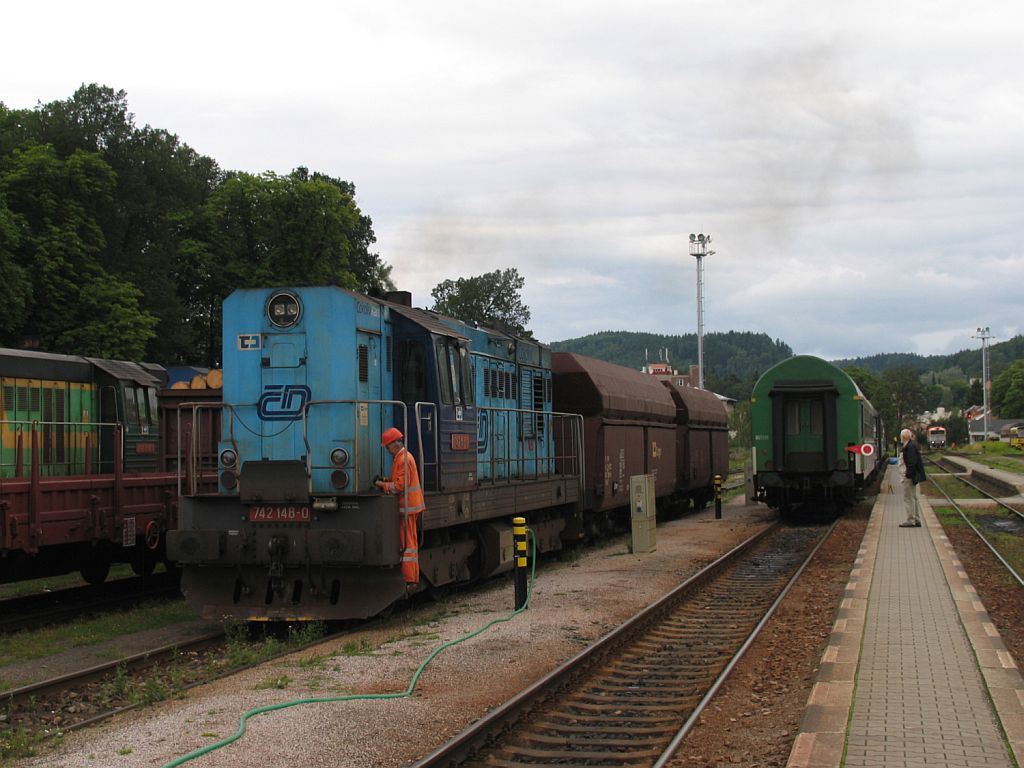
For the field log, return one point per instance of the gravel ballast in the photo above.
(574, 603)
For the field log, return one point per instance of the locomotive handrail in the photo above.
(436, 464)
(355, 442)
(193, 460)
(572, 440)
(575, 457)
(71, 429)
(194, 456)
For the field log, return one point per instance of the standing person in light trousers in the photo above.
(912, 469)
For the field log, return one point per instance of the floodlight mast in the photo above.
(984, 335)
(699, 249)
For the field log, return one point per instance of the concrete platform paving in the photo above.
(915, 673)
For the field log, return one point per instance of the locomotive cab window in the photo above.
(466, 374)
(413, 372)
(154, 414)
(131, 407)
(109, 411)
(444, 373)
(453, 373)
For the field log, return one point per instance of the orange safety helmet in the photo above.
(389, 436)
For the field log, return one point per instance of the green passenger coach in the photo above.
(815, 437)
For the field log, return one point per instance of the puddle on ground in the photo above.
(996, 524)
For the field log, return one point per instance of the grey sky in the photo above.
(859, 165)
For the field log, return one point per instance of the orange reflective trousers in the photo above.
(405, 481)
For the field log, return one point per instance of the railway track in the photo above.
(621, 701)
(983, 491)
(1016, 514)
(46, 608)
(87, 696)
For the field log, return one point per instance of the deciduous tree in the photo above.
(259, 230)
(901, 395)
(15, 287)
(55, 204)
(864, 379)
(1008, 392)
(488, 299)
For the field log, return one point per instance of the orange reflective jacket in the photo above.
(405, 481)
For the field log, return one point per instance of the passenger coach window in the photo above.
(816, 417)
(792, 418)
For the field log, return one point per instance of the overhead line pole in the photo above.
(699, 249)
(984, 335)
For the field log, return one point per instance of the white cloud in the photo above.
(857, 164)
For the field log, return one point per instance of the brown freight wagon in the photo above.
(702, 441)
(628, 424)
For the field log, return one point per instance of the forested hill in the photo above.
(1000, 356)
(732, 360)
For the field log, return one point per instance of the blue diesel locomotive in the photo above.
(313, 377)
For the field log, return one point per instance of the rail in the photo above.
(978, 533)
(569, 713)
(978, 488)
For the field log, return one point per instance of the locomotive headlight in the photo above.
(339, 457)
(339, 478)
(228, 458)
(284, 309)
(229, 480)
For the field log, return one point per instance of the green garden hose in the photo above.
(367, 696)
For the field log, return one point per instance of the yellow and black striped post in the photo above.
(718, 497)
(521, 570)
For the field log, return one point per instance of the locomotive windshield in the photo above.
(453, 373)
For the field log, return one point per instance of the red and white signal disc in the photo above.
(867, 449)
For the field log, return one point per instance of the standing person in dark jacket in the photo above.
(913, 473)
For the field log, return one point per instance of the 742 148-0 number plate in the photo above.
(279, 513)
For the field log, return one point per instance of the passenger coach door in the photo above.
(803, 424)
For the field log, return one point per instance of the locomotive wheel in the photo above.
(152, 535)
(95, 571)
(143, 561)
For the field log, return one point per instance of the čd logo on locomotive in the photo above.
(283, 402)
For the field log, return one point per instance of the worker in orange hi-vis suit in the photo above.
(405, 480)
